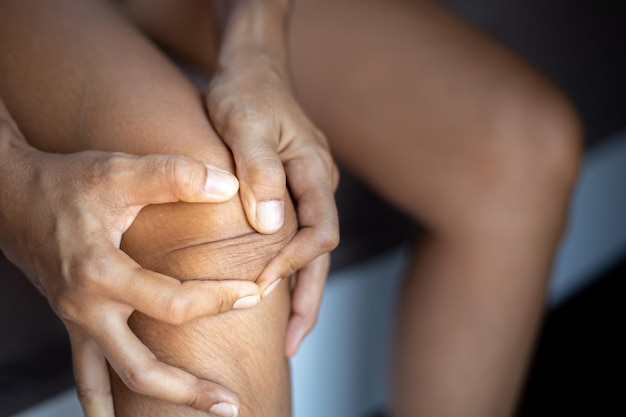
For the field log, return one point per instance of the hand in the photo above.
(61, 221)
(274, 144)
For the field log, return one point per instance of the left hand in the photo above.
(253, 109)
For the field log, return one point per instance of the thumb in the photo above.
(157, 179)
(262, 178)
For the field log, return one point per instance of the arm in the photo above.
(120, 94)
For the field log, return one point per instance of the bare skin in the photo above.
(252, 106)
(485, 153)
(475, 145)
(243, 350)
(113, 100)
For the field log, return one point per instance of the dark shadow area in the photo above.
(368, 225)
(35, 358)
(578, 366)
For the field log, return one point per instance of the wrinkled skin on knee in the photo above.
(241, 349)
(217, 237)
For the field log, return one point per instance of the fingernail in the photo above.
(271, 287)
(224, 410)
(220, 182)
(247, 302)
(269, 214)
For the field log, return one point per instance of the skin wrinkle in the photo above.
(241, 256)
(211, 241)
(193, 246)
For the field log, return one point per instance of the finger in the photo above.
(172, 301)
(143, 373)
(261, 176)
(306, 302)
(317, 218)
(91, 374)
(156, 179)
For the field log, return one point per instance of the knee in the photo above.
(240, 349)
(544, 134)
(536, 144)
(189, 241)
(526, 167)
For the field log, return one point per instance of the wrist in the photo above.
(254, 34)
(255, 66)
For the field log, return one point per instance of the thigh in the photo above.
(415, 101)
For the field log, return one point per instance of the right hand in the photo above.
(279, 152)
(61, 222)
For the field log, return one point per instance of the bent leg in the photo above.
(470, 141)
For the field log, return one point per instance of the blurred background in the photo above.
(341, 370)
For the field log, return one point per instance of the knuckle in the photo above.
(220, 301)
(320, 137)
(291, 264)
(223, 302)
(321, 141)
(331, 166)
(110, 170)
(177, 307)
(138, 379)
(328, 237)
(194, 401)
(111, 164)
(116, 161)
(332, 170)
(87, 394)
(86, 274)
(320, 154)
(267, 170)
(83, 278)
(180, 174)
